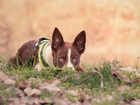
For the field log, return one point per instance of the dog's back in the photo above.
(23, 53)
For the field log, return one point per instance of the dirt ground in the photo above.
(112, 26)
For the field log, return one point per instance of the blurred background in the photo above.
(112, 26)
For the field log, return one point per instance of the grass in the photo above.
(70, 79)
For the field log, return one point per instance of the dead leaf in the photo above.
(55, 82)
(96, 99)
(82, 97)
(122, 103)
(8, 89)
(116, 72)
(14, 101)
(24, 100)
(76, 103)
(2, 98)
(135, 102)
(35, 101)
(86, 102)
(109, 97)
(88, 97)
(9, 82)
(19, 92)
(72, 92)
(50, 87)
(60, 101)
(32, 92)
(46, 101)
(14, 76)
(131, 70)
(23, 84)
(136, 81)
(3, 76)
(79, 69)
(123, 88)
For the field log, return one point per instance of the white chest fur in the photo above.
(48, 58)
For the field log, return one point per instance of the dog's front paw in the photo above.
(38, 67)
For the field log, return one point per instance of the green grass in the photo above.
(70, 79)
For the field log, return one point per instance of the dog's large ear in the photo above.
(80, 41)
(57, 40)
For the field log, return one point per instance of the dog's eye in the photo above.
(74, 60)
(61, 59)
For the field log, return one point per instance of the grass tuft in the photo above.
(88, 83)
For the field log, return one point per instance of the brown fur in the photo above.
(23, 53)
(63, 51)
(59, 50)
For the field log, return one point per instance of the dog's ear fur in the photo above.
(57, 40)
(80, 41)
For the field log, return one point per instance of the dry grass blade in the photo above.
(98, 72)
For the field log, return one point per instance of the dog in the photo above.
(57, 52)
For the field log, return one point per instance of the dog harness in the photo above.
(41, 45)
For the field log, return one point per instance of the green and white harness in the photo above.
(41, 45)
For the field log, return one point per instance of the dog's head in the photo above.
(65, 53)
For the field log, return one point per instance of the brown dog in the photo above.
(57, 52)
